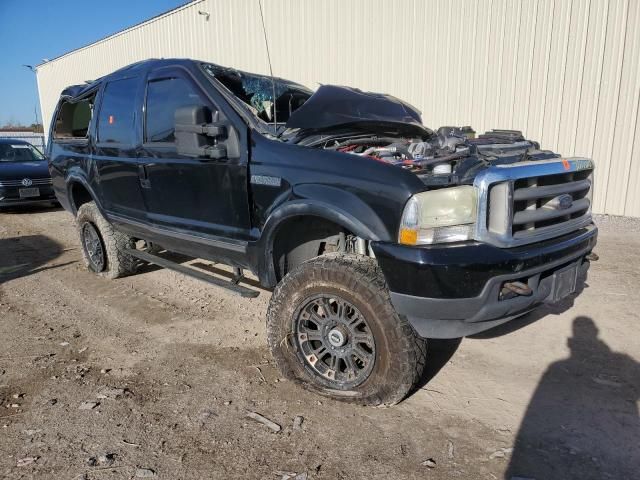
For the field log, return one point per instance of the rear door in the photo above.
(202, 196)
(117, 142)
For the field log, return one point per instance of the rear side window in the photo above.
(116, 119)
(163, 98)
(73, 119)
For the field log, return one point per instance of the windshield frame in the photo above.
(39, 156)
(242, 108)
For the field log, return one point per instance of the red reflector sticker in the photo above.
(566, 164)
(110, 119)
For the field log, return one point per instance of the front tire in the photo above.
(331, 327)
(103, 248)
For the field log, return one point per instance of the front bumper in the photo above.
(10, 196)
(451, 291)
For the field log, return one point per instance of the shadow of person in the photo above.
(582, 421)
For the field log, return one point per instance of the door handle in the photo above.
(143, 174)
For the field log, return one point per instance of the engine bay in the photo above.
(451, 155)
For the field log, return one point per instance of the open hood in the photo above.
(332, 106)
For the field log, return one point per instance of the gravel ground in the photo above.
(615, 223)
(153, 375)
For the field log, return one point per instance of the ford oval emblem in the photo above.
(564, 201)
(27, 182)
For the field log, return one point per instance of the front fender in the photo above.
(345, 208)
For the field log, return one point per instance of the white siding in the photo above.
(35, 139)
(566, 72)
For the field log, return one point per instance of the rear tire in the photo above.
(103, 248)
(368, 355)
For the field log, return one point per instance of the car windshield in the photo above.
(19, 152)
(257, 91)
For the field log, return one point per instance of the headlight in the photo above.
(446, 215)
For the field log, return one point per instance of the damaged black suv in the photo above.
(374, 231)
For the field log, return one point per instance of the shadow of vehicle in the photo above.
(26, 255)
(582, 421)
(440, 351)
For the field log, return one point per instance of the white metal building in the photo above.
(566, 72)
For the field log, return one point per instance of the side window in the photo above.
(163, 98)
(116, 118)
(73, 119)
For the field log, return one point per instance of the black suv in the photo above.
(374, 231)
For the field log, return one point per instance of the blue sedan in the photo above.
(24, 175)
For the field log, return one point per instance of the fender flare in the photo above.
(319, 201)
(73, 178)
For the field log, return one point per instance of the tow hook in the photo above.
(519, 288)
(592, 257)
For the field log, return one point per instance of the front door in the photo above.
(204, 197)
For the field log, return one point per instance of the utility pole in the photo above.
(35, 106)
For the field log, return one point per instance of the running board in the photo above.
(231, 285)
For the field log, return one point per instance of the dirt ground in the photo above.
(173, 365)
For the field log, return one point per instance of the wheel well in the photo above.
(79, 195)
(301, 238)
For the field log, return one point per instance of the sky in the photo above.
(31, 30)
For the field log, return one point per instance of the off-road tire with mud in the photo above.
(399, 354)
(117, 263)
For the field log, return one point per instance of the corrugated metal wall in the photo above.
(566, 72)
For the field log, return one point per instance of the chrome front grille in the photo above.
(548, 202)
(18, 183)
(533, 201)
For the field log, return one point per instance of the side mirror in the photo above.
(198, 136)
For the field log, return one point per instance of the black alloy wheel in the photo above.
(93, 246)
(335, 340)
